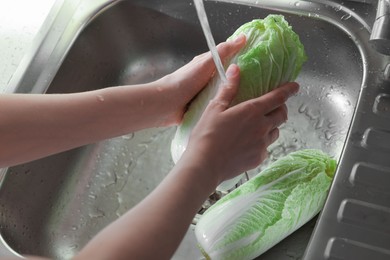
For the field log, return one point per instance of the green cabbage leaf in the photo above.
(273, 55)
(260, 213)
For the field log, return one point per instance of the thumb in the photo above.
(228, 90)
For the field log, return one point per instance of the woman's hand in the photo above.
(231, 140)
(186, 82)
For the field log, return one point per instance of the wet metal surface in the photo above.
(53, 206)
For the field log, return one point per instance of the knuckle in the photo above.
(223, 48)
(249, 107)
(217, 103)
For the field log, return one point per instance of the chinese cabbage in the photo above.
(260, 213)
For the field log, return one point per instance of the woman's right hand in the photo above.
(230, 140)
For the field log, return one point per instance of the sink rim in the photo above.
(80, 19)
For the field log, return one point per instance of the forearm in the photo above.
(156, 226)
(32, 126)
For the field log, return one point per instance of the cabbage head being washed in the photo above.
(273, 55)
(258, 214)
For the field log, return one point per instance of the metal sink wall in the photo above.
(53, 206)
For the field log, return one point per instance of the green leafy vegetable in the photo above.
(273, 55)
(257, 215)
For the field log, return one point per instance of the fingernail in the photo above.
(294, 88)
(232, 71)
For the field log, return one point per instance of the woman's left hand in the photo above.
(186, 82)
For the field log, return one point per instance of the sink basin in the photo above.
(53, 206)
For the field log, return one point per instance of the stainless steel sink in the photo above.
(53, 206)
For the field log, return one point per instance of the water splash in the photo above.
(346, 16)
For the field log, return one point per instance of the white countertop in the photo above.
(20, 20)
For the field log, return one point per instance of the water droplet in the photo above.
(320, 123)
(310, 114)
(108, 179)
(331, 125)
(387, 72)
(96, 213)
(346, 16)
(338, 8)
(73, 247)
(100, 98)
(128, 136)
(328, 135)
(92, 196)
(302, 108)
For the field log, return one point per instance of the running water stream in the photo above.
(202, 16)
(209, 38)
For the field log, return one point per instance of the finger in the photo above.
(272, 100)
(227, 91)
(278, 116)
(273, 136)
(229, 48)
(203, 67)
(225, 50)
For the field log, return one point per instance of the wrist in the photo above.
(170, 100)
(203, 177)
